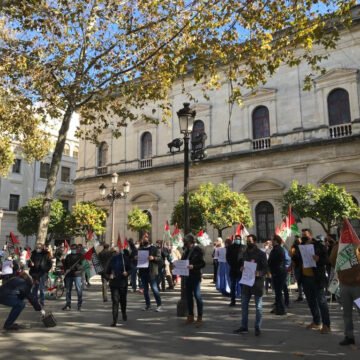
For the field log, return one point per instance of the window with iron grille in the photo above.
(14, 202)
(265, 223)
(146, 146)
(102, 154)
(44, 170)
(261, 123)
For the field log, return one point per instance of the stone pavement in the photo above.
(87, 335)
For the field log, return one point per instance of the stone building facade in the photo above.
(278, 134)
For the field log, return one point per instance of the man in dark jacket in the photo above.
(105, 256)
(149, 275)
(314, 282)
(40, 264)
(117, 272)
(195, 255)
(278, 272)
(234, 257)
(253, 254)
(13, 294)
(73, 274)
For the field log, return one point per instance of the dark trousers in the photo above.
(216, 265)
(233, 283)
(17, 305)
(298, 278)
(104, 287)
(278, 281)
(316, 299)
(118, 297)
(192, 288)
(69, 281)
(286, 290)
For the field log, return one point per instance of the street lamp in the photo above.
(186, 121)
(1, 217)
(112, 196)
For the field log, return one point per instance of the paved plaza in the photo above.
(151, 335)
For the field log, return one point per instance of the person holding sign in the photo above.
(195, 256)
(345, 257)
(254, 275)
(314, 281)
(149, 273)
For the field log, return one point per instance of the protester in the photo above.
(9, 268)
(349, 278)
(105, 256)
(161, 266)
(234, 257)
(73, 274)
(13, 294)
(134, 271)
(253, 254)
(117, 272)
(39, 264)
(267, 250)
(149, 275)
(278, 272)
(217, 244)
(166, 255)
(314, 282)
(297, 267)
(195, 255)
(223, 281)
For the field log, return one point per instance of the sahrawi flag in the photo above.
(93, 262)
(167, 234)
(288, 226)
(241, 231)
(348, 244)
(177, 238)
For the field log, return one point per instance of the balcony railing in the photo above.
(260, 144)
(102, 170)
(145, 163)
(339, 131)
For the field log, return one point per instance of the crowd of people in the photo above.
(272, 263)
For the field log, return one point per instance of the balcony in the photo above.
(145, 163)
(102, 170)
(339, 131)
(261, 144)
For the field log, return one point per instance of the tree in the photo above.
(86, 217)
(138, 220)
(327, 204)
(59, 56)
(28, 218)
(196, 213)
(223, 207)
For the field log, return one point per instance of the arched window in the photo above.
(76, 152)
(260, 123)
(265, 225)
(102, 154)
(146, 146)
(66, 150)
(198, 130)
(338, 107)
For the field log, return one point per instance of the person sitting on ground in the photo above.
(13, 294)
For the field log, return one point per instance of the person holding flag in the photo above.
(117, 272)
(345, 257)
(104, 256)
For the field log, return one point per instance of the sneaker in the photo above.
(113, 324)
(232, 304)
(12, 327)
(257, 332)
(241, 330)
(124, 317)
(325, 330)
(159, 309)
(313, 326)
(347, 341)
(146, 308)
(66, 307)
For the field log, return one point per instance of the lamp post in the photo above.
(186, 121)
(1, 217)
(113, 195)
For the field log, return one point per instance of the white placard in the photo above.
(307, 252)
(357, 302)
(222, 255)
(181, 267)
(7, 267)
(143, 259)
(248, 274)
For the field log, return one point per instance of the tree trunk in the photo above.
(54, 169)
(220, 232)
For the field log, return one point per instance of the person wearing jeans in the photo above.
(149, 275)
(255, 255)
(195, 255)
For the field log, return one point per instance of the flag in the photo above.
(119, 243)
(28, 253)
(349, 241)
(167, 234)
(126, 244)
(89, 235)
(241, 231)
(93, 263)
(238, 230)
(288, 226)
(14, 239)
(203, 238)
(88, 255)
(66, 247)
(177, 238)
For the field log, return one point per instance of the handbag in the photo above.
(49, 320)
